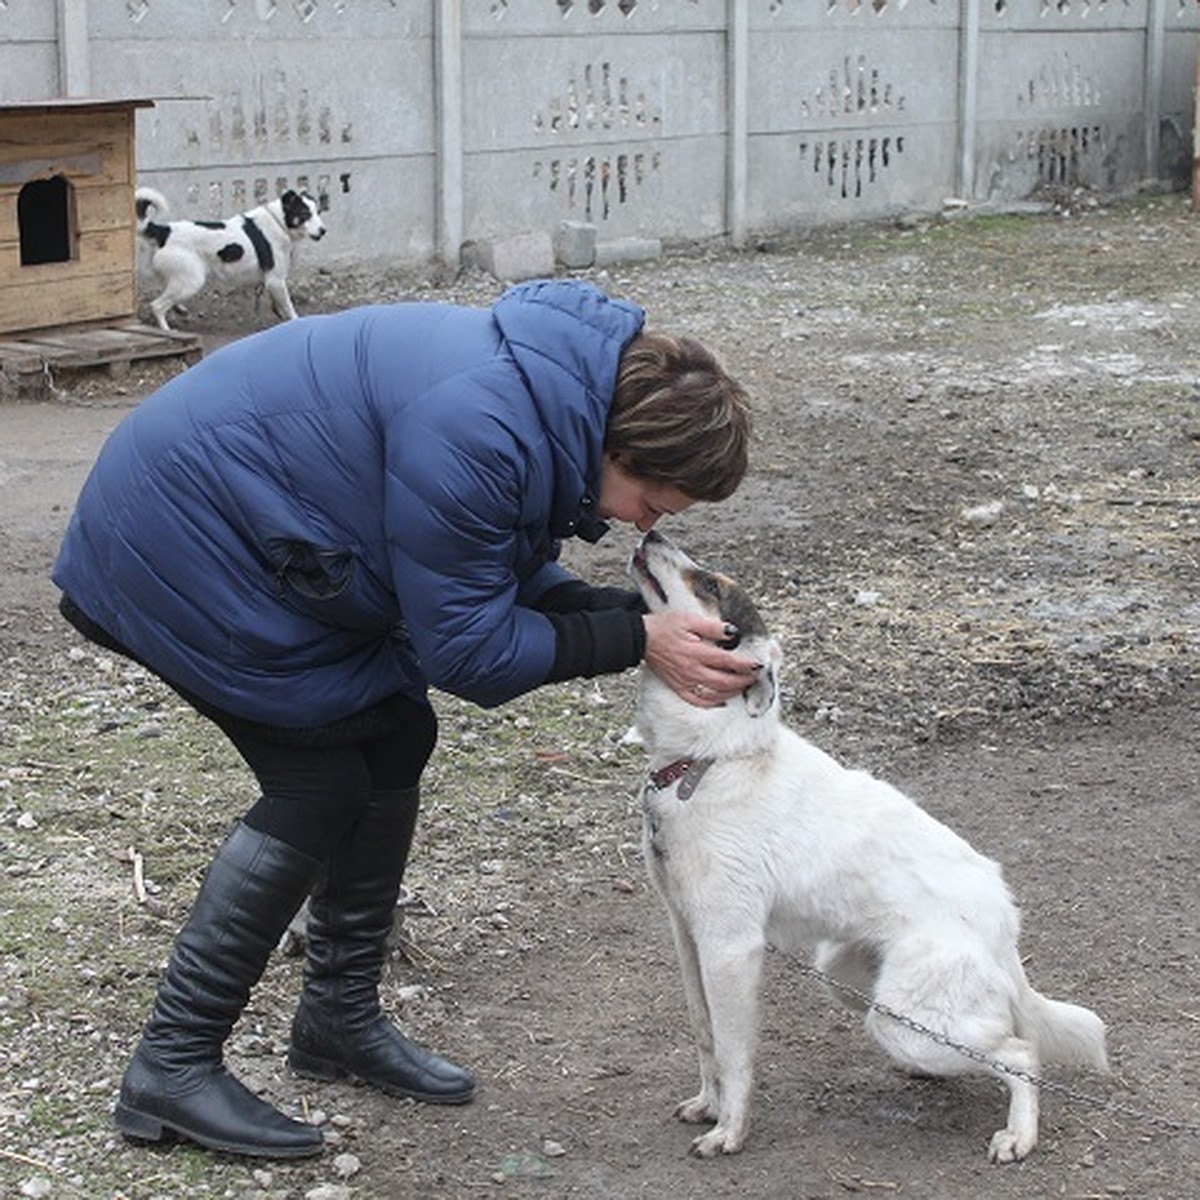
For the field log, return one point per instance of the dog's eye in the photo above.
(709, 586)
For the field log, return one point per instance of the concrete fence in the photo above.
(429, 124)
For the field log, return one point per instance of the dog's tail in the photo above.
(1064, 1033)
(146, 202)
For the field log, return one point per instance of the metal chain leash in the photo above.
(986, 1060)
(48, 375)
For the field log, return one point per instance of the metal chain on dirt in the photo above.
(48, 374)
(978, 1056)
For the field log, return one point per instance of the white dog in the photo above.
(755, 837)
(255, 247)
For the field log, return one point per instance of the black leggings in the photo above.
(315, 781)
(312, 795)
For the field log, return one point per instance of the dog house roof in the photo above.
(73, 102)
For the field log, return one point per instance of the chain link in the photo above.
(48, 376)
(993, 1064)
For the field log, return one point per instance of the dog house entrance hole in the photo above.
(44, 218)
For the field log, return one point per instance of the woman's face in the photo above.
(636, 501)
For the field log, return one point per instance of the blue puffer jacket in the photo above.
(345, 507)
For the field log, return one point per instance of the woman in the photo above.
(305, 532)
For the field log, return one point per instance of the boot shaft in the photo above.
(249, 893)
(353, 909)
(339, 1029)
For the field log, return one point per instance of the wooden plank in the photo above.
(30, 360)
(99, 252)
(106, 344)
(158, 335)
(107, 162)
(60, 133)
(106, 206)
(94, 343)
(19, 358)
(54, 354)
(105, 250)
(95, 146)
(43, 166)
(100, 195)
(73, 104)
(67, 300)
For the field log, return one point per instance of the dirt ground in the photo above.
(972, 519)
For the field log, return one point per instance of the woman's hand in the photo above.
(681, 650)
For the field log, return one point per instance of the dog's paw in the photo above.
(697, 1111)
(718, 1140)
(1008, 1146)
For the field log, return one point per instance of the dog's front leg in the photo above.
(703, 1106)
(732, 972)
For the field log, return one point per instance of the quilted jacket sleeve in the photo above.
(459, 491)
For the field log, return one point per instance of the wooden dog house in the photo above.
(68, 259)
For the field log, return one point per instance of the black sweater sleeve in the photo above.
(596, 643)
(575, 596)
(598, 630)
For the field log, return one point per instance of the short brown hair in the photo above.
(678, 418)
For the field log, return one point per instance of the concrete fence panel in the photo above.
(424, 125)
(624, 131)
(852, 111)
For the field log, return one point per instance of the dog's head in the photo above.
(671, 582)
(301, 216)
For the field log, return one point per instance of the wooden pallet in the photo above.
(30, 362)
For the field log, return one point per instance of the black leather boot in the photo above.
(339, 1029)
(177, 1082)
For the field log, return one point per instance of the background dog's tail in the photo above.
(1064, 1033)
(147, 202)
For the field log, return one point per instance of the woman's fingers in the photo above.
(682, 650)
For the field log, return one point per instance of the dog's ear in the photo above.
(761, 694)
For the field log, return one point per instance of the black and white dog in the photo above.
(254, 247)
(755, 837)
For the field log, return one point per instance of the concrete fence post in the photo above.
(448, 115)
(74, 48)
(1152, 95)
(737, 82)
(968, 96)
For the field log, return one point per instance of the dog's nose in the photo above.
(651, 536)
(316, 237)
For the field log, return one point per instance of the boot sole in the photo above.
(143, 1127)
(324, 1071)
